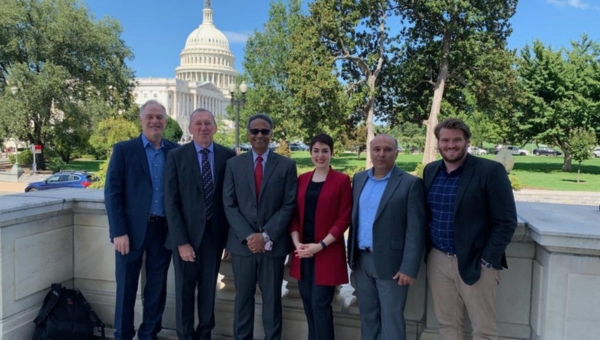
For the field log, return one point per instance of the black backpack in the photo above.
(65, 314)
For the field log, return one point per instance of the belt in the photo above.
(448, 254)
(155, 218)
(367, 250)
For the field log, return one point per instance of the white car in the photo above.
(596, 152)
(513, 150)
(473, 150)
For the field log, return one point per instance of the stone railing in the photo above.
(549, 292)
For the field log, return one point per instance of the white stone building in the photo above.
(201, 79)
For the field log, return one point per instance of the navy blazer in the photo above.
(485, 216)
(128, 190)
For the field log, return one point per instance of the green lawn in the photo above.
(533, 172)
(81, 164)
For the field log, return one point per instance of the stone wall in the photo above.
(549, 291)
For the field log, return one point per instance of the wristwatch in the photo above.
(485, 264)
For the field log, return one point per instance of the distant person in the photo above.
(197, 224)
(324, 205)
(387, 240)
(133, 195)
(472, 218)
(259, 193)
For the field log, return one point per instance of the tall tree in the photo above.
(562, 93)
(266, 61)
(451, 45)
(356, 34)
(54, 59)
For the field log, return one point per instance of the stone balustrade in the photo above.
(549, 292)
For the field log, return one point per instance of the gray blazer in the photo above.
(271, 214)
(399, 227)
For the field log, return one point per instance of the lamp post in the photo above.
(238, 103)
(16, 168)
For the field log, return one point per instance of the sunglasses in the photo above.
(255, 132)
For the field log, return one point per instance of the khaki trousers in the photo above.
(451, 295)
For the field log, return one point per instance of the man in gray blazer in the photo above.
(387, 240)
(259, 194)
(197, 224)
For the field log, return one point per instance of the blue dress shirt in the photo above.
(368, 203)
(211, 158)
(156, 163)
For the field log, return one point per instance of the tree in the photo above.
(266, 61)
(54, 59)
(581, 144)
(172, 131)
(562, 93)
(111, 131)
(356, 34)
(451, 45)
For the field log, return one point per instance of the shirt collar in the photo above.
(455, 172)
(264, 155)
(210, 148)
(387, 176)
(145, 142)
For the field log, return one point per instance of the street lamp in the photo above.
(15, 168)
(238, 103)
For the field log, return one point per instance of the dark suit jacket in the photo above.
(334, 207)
(274, 211)
(184, 197)
(399, 226)
(485, 216)
(128, 190)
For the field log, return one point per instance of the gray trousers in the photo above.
(381, 302)
(268, 272)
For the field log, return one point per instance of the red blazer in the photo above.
(333, 215)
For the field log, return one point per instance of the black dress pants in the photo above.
(317, 303)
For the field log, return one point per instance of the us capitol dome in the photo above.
(201, 79)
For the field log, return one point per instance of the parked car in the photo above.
(243, 147)
(473, 150)
(513, 150)
(596, 152)
(546, 151)
(63, 179)
(298, 147)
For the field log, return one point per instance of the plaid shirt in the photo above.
(441, 200)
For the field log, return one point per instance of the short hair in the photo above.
(322, 138)
(151, 102)
(200, 109)
(453, 124)
(260, 116)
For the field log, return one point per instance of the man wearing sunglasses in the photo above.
(259, 194)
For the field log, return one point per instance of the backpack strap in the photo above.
(53, 297)
(83, 301)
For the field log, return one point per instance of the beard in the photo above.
(455, 157)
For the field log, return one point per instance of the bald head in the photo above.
(384, 136)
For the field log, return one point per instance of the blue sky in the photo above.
(156, 30)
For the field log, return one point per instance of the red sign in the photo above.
(37, 148)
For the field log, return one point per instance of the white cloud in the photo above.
(236, 37)
(570, 3)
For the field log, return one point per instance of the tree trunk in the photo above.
(429, 153)
(578, 172)
(370, 136)
(567, 162)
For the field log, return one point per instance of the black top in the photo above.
(310, 208)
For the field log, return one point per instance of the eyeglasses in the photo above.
(255, 132)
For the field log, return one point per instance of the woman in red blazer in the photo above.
(324, 206)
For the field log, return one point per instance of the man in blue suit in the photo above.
(133, 195)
